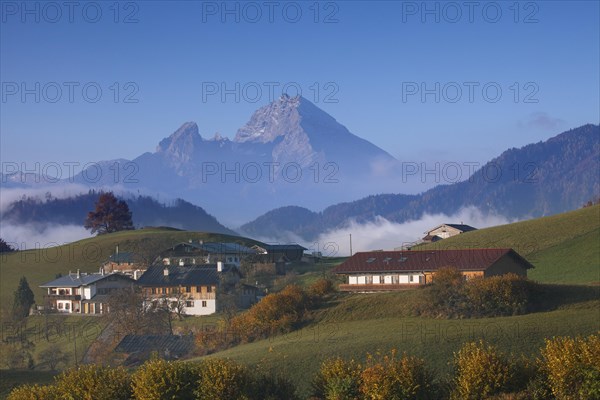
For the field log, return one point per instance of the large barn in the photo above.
(395, 270)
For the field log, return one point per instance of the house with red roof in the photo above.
(395, 270)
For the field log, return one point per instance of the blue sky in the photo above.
(370, 58)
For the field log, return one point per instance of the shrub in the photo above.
(224, 380)
(572, 367)
(338, 379)
(507, 294)
(159, 379)
(446, 293)
(34, 392)
(276, 313)
(481, 371)
(449, 295)
(94, 382)
(321, 288)
(396, 379)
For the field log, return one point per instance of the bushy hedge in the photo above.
(161, 380)
(482, 371)
(451, 296)
(88, 382)
(572, 367)
(276, 313)
(381, 378)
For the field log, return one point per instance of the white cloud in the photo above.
(382, 234)
(31, 236)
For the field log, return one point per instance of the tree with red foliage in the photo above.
(110, 215)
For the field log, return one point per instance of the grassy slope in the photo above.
(300, 353)
(42, 265)
(72, 334)
(563, 248)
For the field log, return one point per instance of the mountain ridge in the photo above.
(538, 179)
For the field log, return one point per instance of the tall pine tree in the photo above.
(23, 299)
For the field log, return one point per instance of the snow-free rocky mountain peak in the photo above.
(290, 131)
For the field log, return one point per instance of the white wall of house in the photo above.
(444, 231)
(406, 279)
(89, 292)
(201, 307)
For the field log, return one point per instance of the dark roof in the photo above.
(84, 279)
(175, 344)
(425, 260)
(460, 227)
(187, 275)
(124, 257)
(432, 238)
(99, 298)
(220, 248)
(282, 247)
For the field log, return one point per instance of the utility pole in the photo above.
(350, 245)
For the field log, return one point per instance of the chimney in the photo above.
(117, 250)
(189, 240)
(102, 271)
(219, 266)
(78, 274)
(166, 271)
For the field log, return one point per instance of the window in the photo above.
(209, 289)
(198, 289)
(411, 278)
(60, 306)
(189, 303)
(163, 290)
(203, 303)
(153, 290)
(188, 289)
(67, 306)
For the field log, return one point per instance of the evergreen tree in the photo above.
(23, 299)
(5, 247)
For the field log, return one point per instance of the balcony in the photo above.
(62, 297)
(377, 287)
